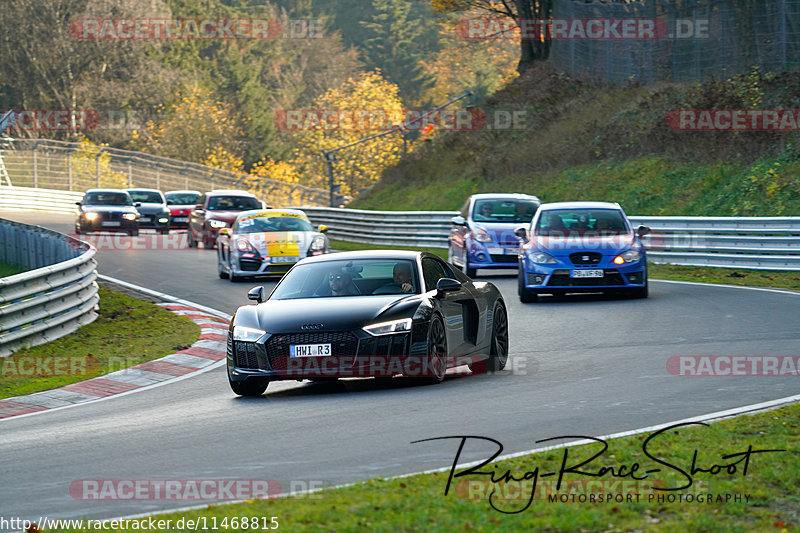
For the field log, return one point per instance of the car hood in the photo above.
(108, 208)
(563, 246)
(225, 216)
(500, 233)
(281, 243)
(151, 209)
(335, 313)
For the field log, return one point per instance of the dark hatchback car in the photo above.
(107, 210)
(153, 211)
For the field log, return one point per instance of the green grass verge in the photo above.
(8, 270)
(127, 332)
(418, 503)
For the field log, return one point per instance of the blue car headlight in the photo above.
(630, 256)
(541, 258)
(243, 333)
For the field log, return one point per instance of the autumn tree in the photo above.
(531, 50)
(365, 104)
(197, 127)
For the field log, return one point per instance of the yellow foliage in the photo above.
(90, 170)
(377, 105)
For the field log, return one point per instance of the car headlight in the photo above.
(243, 333)
(317, 245)
(628, 257)
(90, 216)
(541, 258)
(129, 216)
(217, 224)
(243, 245)
(386, 328)
(480, 235)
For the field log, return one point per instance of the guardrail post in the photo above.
(97, 166)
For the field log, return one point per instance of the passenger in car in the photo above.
(402, 281)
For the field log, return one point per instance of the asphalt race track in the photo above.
(583, 365)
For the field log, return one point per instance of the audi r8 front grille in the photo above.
(585, 258)
(342, 343)
(244, 355)
(385, 345)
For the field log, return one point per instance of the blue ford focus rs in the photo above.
(581, 247)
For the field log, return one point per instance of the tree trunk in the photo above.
(533, 50)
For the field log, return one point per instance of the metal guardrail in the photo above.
(69, 166)
(30, 199)
(56, 295)
(762, 243)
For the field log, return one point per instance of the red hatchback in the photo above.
(180, 204)
(216, 210)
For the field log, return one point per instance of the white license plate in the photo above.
(284, 259)
(586, 274)
(512, 251)
(144, 219)
(496, 251)
(309, 350)
(180, 219)
(110, 223)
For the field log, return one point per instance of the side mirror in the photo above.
(641, 231)
(77, 203)
(323, 228)
(257, 294)
(198, 208)
(458, 221)
(137, 204)
(521, 233)
(447, 285)
(224, 231)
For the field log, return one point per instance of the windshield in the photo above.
(272, 223)
(233, 203)
(565, 222)
(516, 211)
(182, 198)
(107, 198)
(147, 197)
(348, 278)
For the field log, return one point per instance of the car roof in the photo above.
(504, 195)
(367, 254)
(580, 205)
(272, 210)
(183, 191)
(142, 189)
(229, 192)
(106, 190)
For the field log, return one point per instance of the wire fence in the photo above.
(70, 166)
(691, 39)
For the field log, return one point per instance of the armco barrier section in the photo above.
(766, 243)
(30, 199)
(56, 295)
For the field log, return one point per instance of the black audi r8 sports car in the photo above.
(367, 314)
